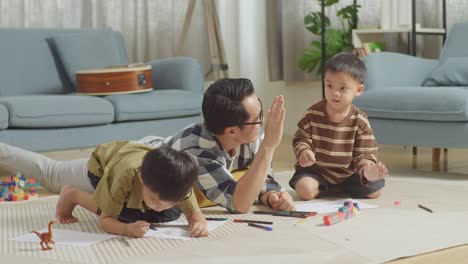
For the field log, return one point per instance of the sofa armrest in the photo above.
(181, 73)
(395, 69)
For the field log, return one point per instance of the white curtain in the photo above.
(287, 36)
(151, 28)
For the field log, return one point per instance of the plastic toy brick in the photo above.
(17, 188)
(348, 210)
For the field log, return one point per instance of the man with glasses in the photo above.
(230, 139)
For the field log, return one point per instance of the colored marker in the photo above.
(169, 225)
(294, 214)
(216, 219)
(267, 228)
(126, 220)
(287, 213)
(264, 212)
(253, 221)
(425, 208)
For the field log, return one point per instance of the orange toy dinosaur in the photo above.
(46, 237)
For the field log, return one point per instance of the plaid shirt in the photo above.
(215, 164)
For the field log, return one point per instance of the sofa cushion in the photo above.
(3, 117)
(88, 50)
(444, 104)
(156, 104)
(27, 65)
(53, 111)
(31, 52)
(455, 45)
(450, 72)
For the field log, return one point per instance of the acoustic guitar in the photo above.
(134, 78)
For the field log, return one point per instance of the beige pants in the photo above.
(51, 174)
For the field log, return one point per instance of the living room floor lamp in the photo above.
(218, 64)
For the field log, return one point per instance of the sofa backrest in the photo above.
(29, 63)
(455, 45)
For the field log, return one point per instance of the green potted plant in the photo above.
(336, 40)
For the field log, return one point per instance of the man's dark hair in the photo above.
(169, 172)
(222, 104)
(347, 63)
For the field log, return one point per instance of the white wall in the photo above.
(243, 28)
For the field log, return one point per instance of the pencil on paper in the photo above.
(125, 241)
(425, 208)
(301, 221)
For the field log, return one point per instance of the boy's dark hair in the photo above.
(347, 63)
(169, 172)
(222, 104)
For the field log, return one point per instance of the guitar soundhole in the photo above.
(141, 80)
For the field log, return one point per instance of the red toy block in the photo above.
(334, 218)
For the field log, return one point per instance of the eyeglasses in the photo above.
(260, 117)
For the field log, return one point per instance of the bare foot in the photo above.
(64, 210)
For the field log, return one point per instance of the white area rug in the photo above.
(377, 235)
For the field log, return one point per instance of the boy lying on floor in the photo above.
(122, 180)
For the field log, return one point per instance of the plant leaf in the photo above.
(313, 22)
(336, 40)
(317, 44)
(348, 12)
(310, 59)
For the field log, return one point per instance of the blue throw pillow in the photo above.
(88, 50)
(452, 71)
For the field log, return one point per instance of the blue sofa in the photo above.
(419, 102)
(40, 111)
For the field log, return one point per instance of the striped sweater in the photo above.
(340, 149)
